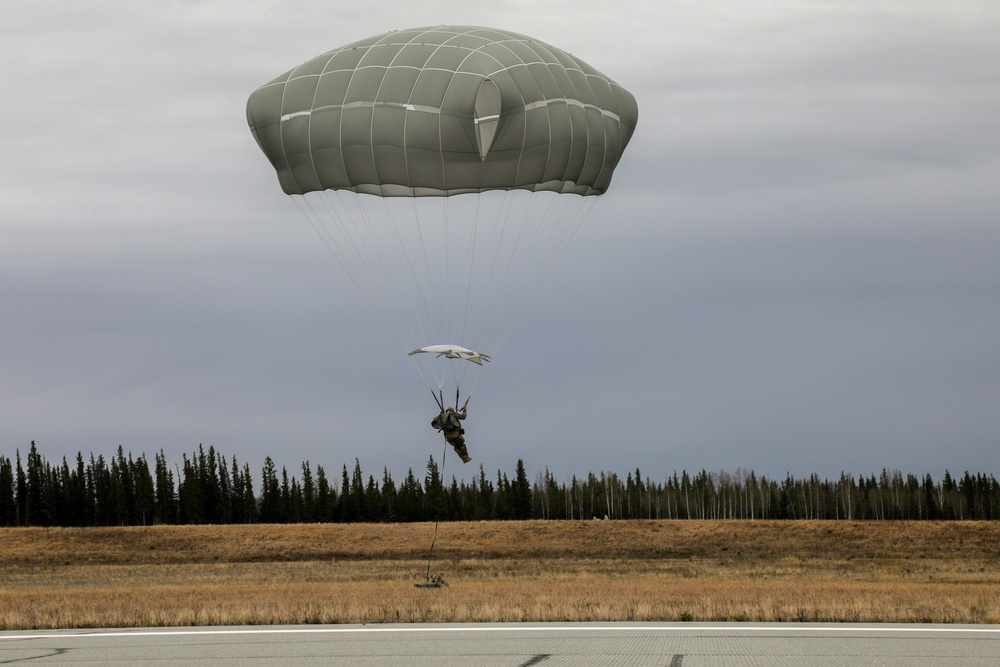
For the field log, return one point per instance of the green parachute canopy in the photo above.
(441, 111)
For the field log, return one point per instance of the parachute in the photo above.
(446, 168)
(454, 352)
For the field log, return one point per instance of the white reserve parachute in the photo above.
(453, 352)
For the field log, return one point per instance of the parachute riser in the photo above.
(439, 400)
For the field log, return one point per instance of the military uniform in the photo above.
(449, 421)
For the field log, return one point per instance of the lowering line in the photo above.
(437, 581)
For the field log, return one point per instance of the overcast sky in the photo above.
(796, 269)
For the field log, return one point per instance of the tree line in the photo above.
(208, 488)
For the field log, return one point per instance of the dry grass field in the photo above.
(947, 572)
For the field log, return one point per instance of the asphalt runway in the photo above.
(515, 645)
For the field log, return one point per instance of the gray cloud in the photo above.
(795, 269)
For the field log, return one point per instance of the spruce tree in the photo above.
(8, 508)
(269, 493)
(520, 494)
(326, 499)
(165, 499)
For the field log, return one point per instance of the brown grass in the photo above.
(519, 571)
